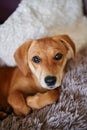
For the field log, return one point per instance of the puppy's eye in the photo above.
(36, 59)
(58, 56)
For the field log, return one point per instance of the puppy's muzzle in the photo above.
(50, 81)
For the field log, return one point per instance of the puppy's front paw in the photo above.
(33, 102)
(22, 111)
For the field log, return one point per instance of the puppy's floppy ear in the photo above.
(21, 57)
(66, 40)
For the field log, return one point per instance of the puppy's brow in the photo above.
(49, 39)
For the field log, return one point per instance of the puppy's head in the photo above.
(45, 59)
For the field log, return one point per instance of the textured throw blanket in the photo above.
(68, 113)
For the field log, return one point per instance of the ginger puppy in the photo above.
(34, 83)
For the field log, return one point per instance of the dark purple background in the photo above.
(7, 7)
(85, 7)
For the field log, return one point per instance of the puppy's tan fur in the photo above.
(23, 87)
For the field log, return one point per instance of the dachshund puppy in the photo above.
(35, 82)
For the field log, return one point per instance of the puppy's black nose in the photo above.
(50, 80)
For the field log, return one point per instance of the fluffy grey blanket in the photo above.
(68, 113)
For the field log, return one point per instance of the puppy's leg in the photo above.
(4, 111)
(2, 115)
(42, 99)
(17, 102)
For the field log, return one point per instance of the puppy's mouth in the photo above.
(52, 86)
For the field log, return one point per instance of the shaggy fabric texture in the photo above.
(42, 18)
(68, 113)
